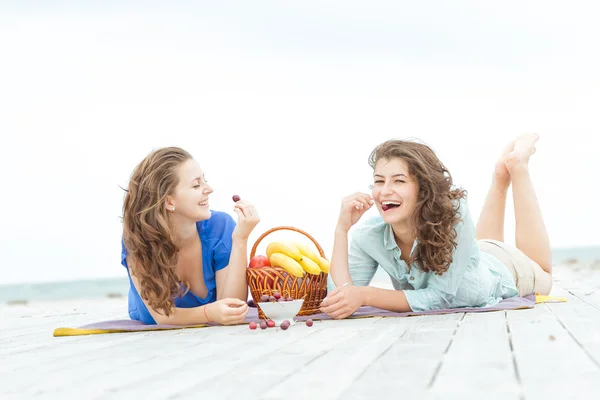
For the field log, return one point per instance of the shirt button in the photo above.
(412, 278)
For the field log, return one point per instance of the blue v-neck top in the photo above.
(215, 236)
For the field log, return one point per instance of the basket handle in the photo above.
(289, 228)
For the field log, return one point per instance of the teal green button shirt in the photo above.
(474, 279)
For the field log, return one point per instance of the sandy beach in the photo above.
(539, 353)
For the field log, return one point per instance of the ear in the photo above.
(170, 204)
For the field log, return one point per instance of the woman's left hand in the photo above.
(342, 302)
(248, 218)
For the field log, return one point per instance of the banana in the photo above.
(324, 264)
(310, 266)
(285, 248)
(287, 263)
(306, 250)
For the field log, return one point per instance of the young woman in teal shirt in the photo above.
(425, 239)
(186, 263)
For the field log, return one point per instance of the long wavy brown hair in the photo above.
(435, 214)
(146, 227)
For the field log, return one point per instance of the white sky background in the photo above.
(281, 102)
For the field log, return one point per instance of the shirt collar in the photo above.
(389, 241)
(388, 238)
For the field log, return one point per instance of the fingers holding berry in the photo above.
(248, 217)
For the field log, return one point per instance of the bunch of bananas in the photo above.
(296, 258)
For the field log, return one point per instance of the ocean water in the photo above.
(117, 287)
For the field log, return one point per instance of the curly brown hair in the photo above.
(435, 213)
(146, 227)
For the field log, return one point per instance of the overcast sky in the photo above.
(281, 102)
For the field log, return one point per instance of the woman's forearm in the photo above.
(235, 284)
(339, 270)
(181, 316)
(391, 300)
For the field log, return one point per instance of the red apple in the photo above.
(259, 262)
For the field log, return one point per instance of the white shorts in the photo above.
(529, 276)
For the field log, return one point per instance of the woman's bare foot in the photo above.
(501, 174)
(524, 147)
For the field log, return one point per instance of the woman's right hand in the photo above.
(227, 311)
(353, 207)
(248, 218)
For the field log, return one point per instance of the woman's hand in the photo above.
(342, 302)
(353, 207)
(248, 218)
(227, 311)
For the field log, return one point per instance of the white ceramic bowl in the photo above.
(281, 310)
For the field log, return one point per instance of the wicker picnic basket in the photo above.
(268, 280)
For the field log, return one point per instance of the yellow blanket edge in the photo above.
(80, 331)
(539, 298)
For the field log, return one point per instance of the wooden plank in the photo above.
(156, 376)
(331, 374)
(65, 352)
(479, 350)
(407, 367)
(122, 358)
(256, 366)
(581, 320)
(550, 363)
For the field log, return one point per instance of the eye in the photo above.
(400, 180)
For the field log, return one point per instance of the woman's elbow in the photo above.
(161, 319)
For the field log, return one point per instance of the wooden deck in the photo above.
(550, 352)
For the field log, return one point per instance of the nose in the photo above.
(387, 188)
(208, 189)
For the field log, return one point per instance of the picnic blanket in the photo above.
(128, 325)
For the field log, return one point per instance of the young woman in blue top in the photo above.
(186, 263)
(425, 239)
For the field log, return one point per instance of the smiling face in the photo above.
(190, 197)
(395, 191)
